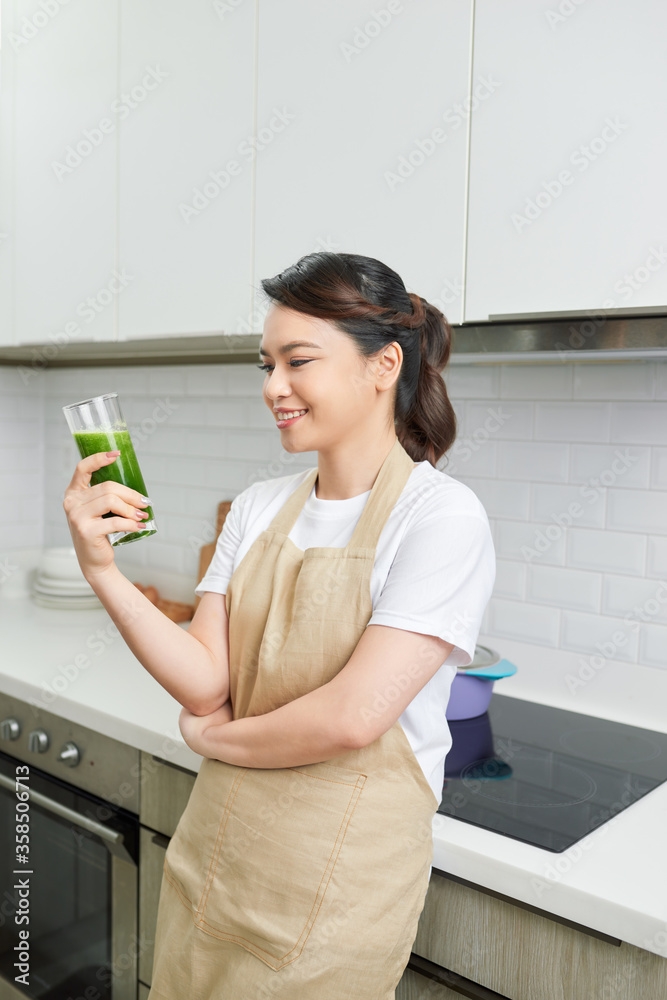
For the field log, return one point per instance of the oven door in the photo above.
(68, 915)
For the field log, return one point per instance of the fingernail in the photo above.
(146, 500)
(110, 454)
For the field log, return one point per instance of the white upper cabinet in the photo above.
(185, 166)
(567, 187)
(361, 139)
(7, 98)
(63, 74)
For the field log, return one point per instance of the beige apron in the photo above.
(299, 882)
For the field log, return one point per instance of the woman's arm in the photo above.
(304, 731)
(388, 668)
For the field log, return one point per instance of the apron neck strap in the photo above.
(387, 488)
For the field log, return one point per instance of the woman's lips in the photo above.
(288, 423)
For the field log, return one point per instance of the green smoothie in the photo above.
(124, 469)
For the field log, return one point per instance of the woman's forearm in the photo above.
(304, 731)
(177, 660)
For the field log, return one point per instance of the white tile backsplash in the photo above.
(597, 380)
(565, 588)
(598, 465)
(606, 551)
(656, 564)
(533, 441)
(572, 421)
(659, 469)
(609, 637)
(637, 510)
(533, 461)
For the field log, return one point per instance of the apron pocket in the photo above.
(277, 845)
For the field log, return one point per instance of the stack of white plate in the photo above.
(59, 583)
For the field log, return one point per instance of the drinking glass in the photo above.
(97, 424)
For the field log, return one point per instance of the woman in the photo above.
(336, 609)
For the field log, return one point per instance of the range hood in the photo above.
(537, 338)
(623, 335)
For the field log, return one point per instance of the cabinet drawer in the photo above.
(165, 790)
(526, 956)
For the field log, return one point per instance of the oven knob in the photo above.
(38, 741)
(10, 729)
(69, 754)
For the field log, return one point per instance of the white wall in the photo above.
(21, 460)
(569, 459)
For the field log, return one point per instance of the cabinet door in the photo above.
(64, 158)
(185, 167)
(567, 193)
(361, 142)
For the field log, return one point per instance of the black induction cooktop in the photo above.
(547, 776)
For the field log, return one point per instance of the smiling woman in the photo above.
(352, 591)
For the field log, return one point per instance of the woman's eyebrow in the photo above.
(288, 347)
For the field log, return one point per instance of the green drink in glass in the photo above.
(97, 424)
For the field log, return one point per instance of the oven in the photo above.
(69, 843)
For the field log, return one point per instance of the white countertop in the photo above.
(614, 880)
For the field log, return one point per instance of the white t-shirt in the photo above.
(434, 571)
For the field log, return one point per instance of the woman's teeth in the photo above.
(291, 415)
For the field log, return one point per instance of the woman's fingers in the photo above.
(85, 468)
(94, 504)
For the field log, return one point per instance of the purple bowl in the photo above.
(469, 696)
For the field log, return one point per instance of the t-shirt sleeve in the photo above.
(441, 580)
(220, 568)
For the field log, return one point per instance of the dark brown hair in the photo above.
(367, 300)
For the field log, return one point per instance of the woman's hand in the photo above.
(193, 726)
(85, 505)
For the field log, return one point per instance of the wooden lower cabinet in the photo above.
(165, 790)
(415, 987)
(524, 956)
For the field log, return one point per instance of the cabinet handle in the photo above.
(160, 840)
(452, 980)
